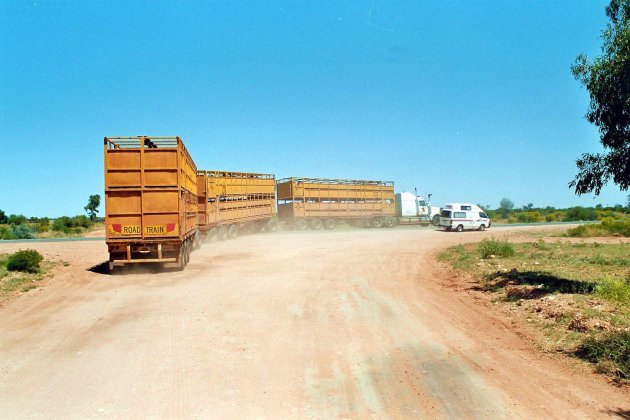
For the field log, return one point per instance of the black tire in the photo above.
(271, 225)
(460, 228)
(435, 220)
(301, 224)
(377, 222)
(233, 231)
(329, 224)
(389, 222)
(482, 227)
(197, 240)
(364, 223)
(448, 228)
(181, 259)
(223, 233)
(316, 224)
(211, 236)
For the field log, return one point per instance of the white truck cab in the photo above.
(461, 216)
(414, 209)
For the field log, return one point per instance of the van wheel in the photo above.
(436, 220)
(460, 228)
(482, 228)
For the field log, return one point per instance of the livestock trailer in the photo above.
(150, 200)
(230, 202)
(317, 202)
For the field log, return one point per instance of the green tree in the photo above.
(3, 218)
(505, 207)
(607, 80)
(92, 207)
(17, 219)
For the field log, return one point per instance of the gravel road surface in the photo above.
(334, 324)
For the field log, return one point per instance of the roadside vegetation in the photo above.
(507, 213)
(21, 271)
(577, 294)
(18, 226)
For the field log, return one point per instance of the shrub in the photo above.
(585, 231)
(22, 232)
(616, 290)
(25, 261)
(529, 217)
(71, 224)
(17, 219)
(6, 233)
(612, 351)
(489, 247)
(619, 227)
(575, 214)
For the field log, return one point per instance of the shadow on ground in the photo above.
(533, 284)
(150, 268)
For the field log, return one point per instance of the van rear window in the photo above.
(445, 213)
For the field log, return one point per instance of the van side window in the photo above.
(482, 214)
(459, 215)
(466, 208)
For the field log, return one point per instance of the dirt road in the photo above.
(354, 324)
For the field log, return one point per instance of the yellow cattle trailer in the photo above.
(317, 203)
(150, 200)
(233, 201)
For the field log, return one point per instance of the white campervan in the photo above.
(460, 216)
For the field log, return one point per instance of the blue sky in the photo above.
(471, 101)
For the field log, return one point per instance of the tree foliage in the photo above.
(3, 218)
(607, 79)
(505, 206)
(92, 207)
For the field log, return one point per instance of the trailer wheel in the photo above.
(187, 247)
(390, 222)
(377, 222)
(460, 228)
(316, 224)
(301, 224)
(197, 240)
(233, 231)
(365, 223)
(223, 233)
(181, 259)
(329, 224)
(212, 234)
(271, 225)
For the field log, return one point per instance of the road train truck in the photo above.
(318, 202)
(150, 200)
(230, 202)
